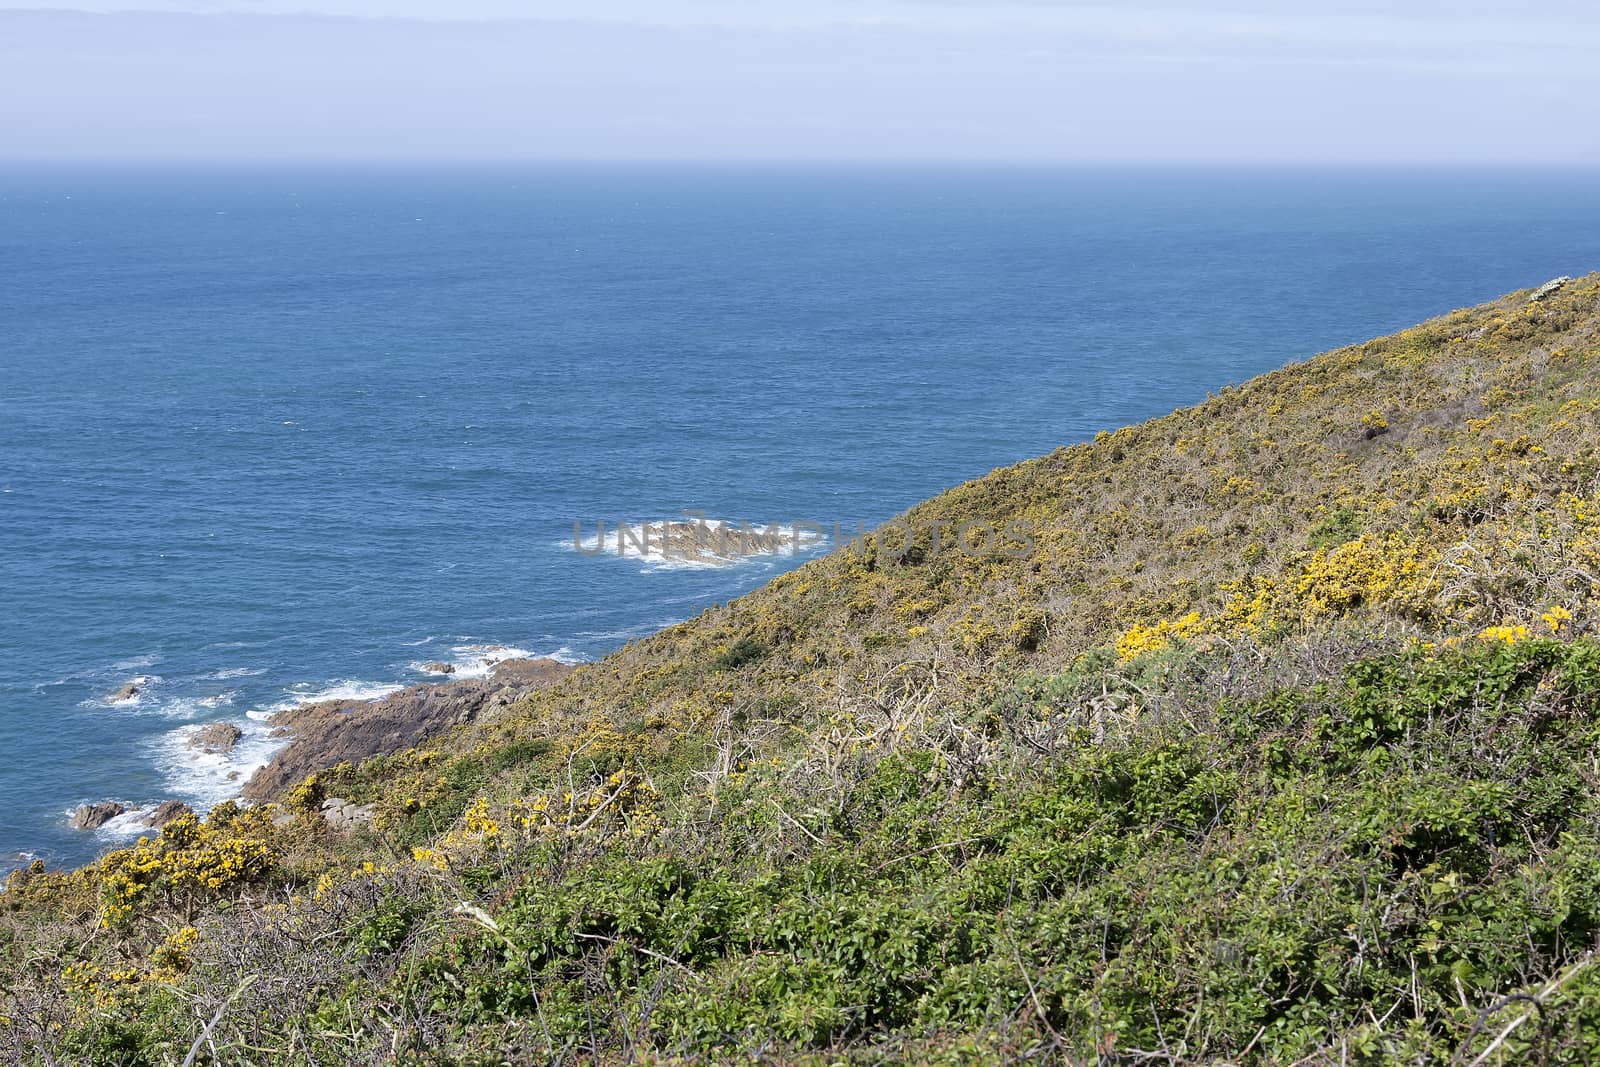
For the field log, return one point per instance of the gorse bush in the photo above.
(1282, 747)
(1421, 833)
(189, 863)
(742, 652)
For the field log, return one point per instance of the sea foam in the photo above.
(204, 779)
(344, 689)
(479, 660)
(236, 672)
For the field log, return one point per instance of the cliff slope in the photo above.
(1265, 731)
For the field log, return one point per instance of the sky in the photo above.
(1034, 81)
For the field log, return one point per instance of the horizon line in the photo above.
(1344, 164)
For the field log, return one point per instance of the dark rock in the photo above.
(216, 737)
(94, 816)
(437, 667)
(127, 692)
(525, 673)
(335, 731)
(165, 812)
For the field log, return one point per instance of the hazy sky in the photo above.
(1250, 80)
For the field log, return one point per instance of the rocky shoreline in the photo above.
(94, 816)
(323, 734)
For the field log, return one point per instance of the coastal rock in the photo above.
(331, 732)
(439, 667)
(703, 542)
(340, 814)
(94, 816)
(128, 692)
(165, 812)
(527, 673)
(1547, 288)
(217, 738)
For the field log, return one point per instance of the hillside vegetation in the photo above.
(1279, 744)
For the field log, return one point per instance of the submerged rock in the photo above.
(331, 732)
(439, 667)
(94, 816)
(217, 738)
(128, 692)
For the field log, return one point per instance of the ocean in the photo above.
(274, 435)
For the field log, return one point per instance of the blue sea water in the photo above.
(271, 435)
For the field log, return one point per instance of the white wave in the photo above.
(186, 708)
(344, 689)
(196, 707)
(143, 684)
(696, 544)
(129, 824)
(205, 779)
(479, 660)
(475, 661)
(137, 662)
(236, 672)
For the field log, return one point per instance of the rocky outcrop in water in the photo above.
(94, 816)
(217, 738)
(331, 732)
(165, 812)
